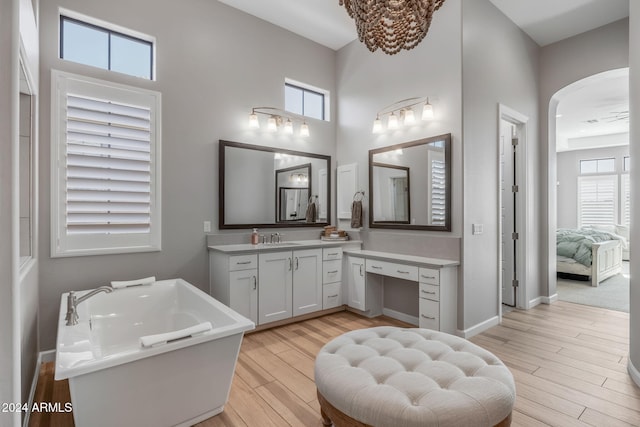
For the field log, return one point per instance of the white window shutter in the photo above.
(626, 199)
(597, 200)
(438, 192)
(106, 194)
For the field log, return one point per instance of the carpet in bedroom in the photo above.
(613, 293)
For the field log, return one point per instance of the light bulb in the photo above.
(253, 121)
(427, 111)
(377, 125)
(304, 129)
(393, 122)
(272, 126)
(409, 117)
(288, 127)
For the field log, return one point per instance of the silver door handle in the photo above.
(427, 292)
(428, 277)
(361, 265)
(255, 283)
(290, 264)
(243, 262)
(427, 317)
(333, 254)
(376, 267)
(332, 272)
(297, 263)
(403, 272)
(332, 296)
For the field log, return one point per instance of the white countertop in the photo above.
(406, 259)
(294, 244)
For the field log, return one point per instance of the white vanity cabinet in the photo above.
(438, 298)
(331, 278)
(307, 281)
(238, 287)
(356, 285)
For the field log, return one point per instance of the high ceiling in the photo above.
(587, 111)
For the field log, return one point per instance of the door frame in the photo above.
(522, 214)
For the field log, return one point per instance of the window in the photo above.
(597, 166)
(627, 163)
(96, 45)
(105, 165)
(597, 200)
(305, 100)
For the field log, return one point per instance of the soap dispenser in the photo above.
(254, 237)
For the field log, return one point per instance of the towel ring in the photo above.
(313, 196)
(355, 196)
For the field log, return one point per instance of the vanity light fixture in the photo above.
(277, 119)
(402, 113)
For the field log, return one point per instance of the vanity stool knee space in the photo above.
(391, 377)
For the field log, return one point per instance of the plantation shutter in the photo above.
(106, 192)
(438, 198)
(626, 199)
(108, 167)
(597, 200)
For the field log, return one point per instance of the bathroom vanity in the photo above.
(288, 281)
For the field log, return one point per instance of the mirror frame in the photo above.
(221, 186)
(447, 156)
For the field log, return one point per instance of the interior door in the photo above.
(509, 191)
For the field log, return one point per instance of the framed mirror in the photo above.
(270, 187)
(410, 185)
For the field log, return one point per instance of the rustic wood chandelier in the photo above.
(391, 25)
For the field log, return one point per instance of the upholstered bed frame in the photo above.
(606, 262)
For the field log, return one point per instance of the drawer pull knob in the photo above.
(403, 272)
(332, 272)
(376, 267)
(243, 262)
(332, 296)
(428, 277)
(427, 292)
(427, 317)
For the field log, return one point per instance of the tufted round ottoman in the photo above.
(396, 377)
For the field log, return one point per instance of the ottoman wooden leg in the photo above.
(332, 416)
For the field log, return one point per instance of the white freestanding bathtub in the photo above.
(116, 381)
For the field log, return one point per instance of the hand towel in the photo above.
(157, 339)
(311, 212)
(137, 282)
(356, 214)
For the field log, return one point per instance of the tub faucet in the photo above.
(73, 301)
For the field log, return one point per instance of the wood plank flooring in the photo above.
(569, 362)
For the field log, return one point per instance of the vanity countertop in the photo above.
(270, 247)
(405, 259)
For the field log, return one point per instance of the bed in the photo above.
(588, 252)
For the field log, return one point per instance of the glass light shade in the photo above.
(288, 127)
(272, 126)
(409, 117)
(377, 125)
(253, 121)
(304, 129)
(427, 111)
(393, 122)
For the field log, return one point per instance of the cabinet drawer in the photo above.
(243, 262)
(331, 295)
(431, 292)
(430, 275)
(429, 314)
(401, 271)
(332, 271)
(331, 253)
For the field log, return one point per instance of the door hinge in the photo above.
(515, 283)
(514, 188)
(514, 141)
(514, 236)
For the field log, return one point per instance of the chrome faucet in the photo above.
(73, 301)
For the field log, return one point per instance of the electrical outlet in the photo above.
(477, 228)
(207, 226)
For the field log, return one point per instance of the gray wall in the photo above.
(499, 66)
(210, 74)
(561, 64)
(634, 110)
(568, 163)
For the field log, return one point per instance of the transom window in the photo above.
(597, 166)
(103, 47)
(305, 100)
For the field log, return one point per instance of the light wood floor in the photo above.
(569, 362)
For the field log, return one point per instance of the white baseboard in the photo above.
(401, 316)
(479, 328)
(43, 357)
(543, 300)
(633, 373)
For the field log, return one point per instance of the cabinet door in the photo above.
(307, 281)
(356, 283)
(243, 293)
(275, 285)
